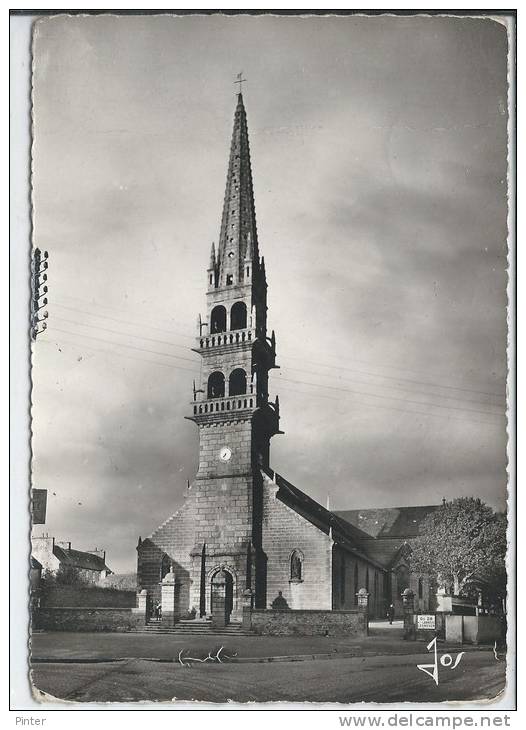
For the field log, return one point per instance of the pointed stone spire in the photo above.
(212, 256)
(238, 237)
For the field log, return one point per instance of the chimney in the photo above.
(99, 552)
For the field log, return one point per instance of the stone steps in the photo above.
(191, 628)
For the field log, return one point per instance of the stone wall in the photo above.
(175, 538)
(285, 531)
(349, 574)
(237, 435)
(73, 618)
(474, 629)
(217, 514)
(84, 596)
(305, 623)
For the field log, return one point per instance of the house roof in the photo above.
(388, 522)
(79, 559)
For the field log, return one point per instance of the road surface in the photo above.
(479, 675)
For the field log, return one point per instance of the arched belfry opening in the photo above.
(218, 320)
(238, 316)
(237, 383)
(216, 385)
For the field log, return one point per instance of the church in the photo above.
(244, 529)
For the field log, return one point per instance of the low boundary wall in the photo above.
(85, 596)
(474, 629)
(305, 622)
(84, 618)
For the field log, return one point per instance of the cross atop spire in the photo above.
(239, 80)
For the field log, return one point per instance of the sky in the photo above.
(379, 159)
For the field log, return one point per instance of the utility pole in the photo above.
(39, 288)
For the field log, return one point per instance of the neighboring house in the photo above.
(88, 566)
(120, 581)
(35, 574)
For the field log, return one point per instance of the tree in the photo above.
(461, 543)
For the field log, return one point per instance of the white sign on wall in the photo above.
(425, 621)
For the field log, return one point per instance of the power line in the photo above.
(117, 309)
(401, 369)
(398, 379)
(457, 399)
(292, 357)
(389, 397)
(317, 395)
(112, 352)
(324, 396)
(301, 382)
(120, 333)
(296, 369)
(120, 344)
(301, 370)
(392, 408)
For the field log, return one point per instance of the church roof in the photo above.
(343, 533)
(79, 559)
(388, 522)
(238, 235)
(385, 530)
(374, 534)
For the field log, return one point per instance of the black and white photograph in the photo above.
(270, 371)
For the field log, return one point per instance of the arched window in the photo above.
(420, 587)
(296, 566)
(216, 385)
(238, 316)
(237, 383)
(218, 320)
(166, 565)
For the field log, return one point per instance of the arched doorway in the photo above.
(222, 597)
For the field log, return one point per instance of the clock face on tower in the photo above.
(225, 454)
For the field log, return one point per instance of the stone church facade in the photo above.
(243, 529)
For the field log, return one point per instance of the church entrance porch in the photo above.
(221, 598)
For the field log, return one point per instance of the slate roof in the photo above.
(389, 522)
(344, 533)
(374, 534)
(385, 530)
(79, 559)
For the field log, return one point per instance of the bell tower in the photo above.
(231, 405)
